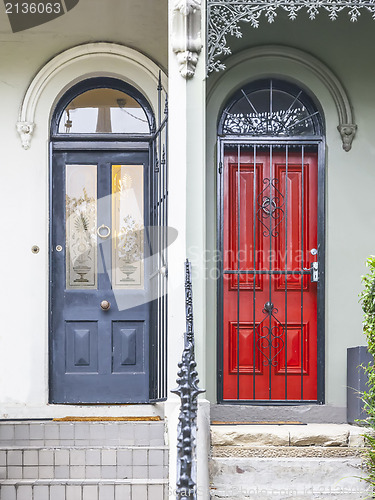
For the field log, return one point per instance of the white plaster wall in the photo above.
(24, 207)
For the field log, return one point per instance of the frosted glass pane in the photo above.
(81, 222)
(127, 226)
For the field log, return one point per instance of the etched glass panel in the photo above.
(127, 226)
(81, 222)
(104, 111)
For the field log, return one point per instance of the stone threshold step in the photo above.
(276, 452)
(343, 435)
(83, 447)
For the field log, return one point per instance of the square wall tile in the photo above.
(139, 492)
(106, 492)
(61, 457)
(46, 457)
(37, 431)
(155, 492)
(51, 431)
(21, 432)
(73, 492)
(122, 492)
(24, 492)
(30, 457)
(93, 457)
(109, 457)
(155, 457)
(140, 457)
(6, 432)
(77, 472)
(77, 457)
(14, 457)
(124, 457)
(90, 492)
(7, 492)
(41, 492)
(31, 472)
(56, 492)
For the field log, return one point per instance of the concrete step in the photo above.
(84, 490)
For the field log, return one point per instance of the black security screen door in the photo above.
(107, 250)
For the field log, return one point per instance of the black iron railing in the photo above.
(188, 391)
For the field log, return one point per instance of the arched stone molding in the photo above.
(77, 64)
(291, 63)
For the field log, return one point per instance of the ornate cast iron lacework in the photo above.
(271, 111)
(224, 18)
(188, 391)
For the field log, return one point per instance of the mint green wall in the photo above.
(347, 49)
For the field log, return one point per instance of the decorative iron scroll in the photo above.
(270, 341)
(270, 207)
(188, 392)
(224, 18)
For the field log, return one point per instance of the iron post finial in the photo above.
(188, 391)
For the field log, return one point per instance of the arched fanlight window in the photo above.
(102, 106)
(271, 108)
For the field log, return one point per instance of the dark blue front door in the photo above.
(99, 277)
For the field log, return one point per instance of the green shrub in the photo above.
(367, 299)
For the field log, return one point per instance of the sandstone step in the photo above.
(328, 435)
(84, 490)
(283, 478)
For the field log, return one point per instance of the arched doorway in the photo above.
(104, 291)
(271, 238)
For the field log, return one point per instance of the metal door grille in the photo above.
(159, 242)
(264, 288)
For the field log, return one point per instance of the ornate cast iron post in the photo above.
(188, 392)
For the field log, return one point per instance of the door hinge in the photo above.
(220, 168)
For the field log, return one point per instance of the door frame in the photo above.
(321, 211)
(74, 146)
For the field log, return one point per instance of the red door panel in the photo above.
(269, 301)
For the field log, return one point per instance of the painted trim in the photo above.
(110, 54)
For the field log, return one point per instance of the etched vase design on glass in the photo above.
(82, 215)
(130, 247)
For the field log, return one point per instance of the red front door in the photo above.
(269, 240)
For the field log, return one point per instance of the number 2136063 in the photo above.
(32, 8)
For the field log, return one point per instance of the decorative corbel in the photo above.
(347, 133)
(186, 35)
(25, 130)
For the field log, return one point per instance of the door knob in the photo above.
(105, 305)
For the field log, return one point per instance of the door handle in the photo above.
(105, 235)
(105, 305)
(314, 271)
